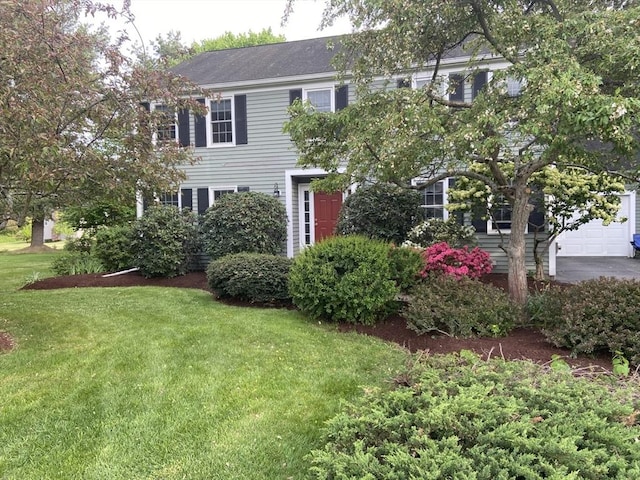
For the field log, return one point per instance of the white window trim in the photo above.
(504, 231)
(312, 233)
(210, 143)
(212, 191)
(318, 88)
(179, 195)
(154, 139)
(445, 194)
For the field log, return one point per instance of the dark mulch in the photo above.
(523, 343)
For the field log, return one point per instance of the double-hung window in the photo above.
(500, 218)
(169, 199)
(225, 124)
(166, 130)
(434, 199)
(216, 193)
(322, 99)
(221, 111)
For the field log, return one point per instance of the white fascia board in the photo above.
(275, 83)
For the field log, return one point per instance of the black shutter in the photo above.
(240, 112)
(342, 97)
(294, 95)
(536, 221)
(456, 81)
(201, 128)
(404, 83)
(480, 225)
(537, 217)
(146, 106)
(479, 81)
(203, 200)
(187, 198)
(243, 189)
(183, 128)
(145, 204)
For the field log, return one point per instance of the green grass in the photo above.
(10, 244)
(159, 383)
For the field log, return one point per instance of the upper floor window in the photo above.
(166, 130)
(221, 112)
(322, 99)
(225, 123)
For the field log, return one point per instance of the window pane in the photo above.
(166, 124)
(320, 99)
(221, 121)
(170, 199)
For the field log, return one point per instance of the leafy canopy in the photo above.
(576, 110)
(77, 127)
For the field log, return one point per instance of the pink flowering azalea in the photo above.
(457, 262)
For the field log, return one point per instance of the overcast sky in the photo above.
(200, 19)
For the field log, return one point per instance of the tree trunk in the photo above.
(37, 232)
(537, 257)
(517, 245)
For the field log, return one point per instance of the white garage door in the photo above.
(593, 239)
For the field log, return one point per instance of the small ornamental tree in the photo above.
(457, 262)
(383, 211)
(244, 222)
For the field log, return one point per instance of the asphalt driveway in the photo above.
(576, 269)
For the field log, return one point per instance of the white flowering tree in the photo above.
(576, 111)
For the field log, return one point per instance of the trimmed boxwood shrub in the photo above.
(344, 278)
(406, 264)
(460, 307)
(244, 222)
(463, 418)
(382, 211)
(113, 247)
(252, 277)
(594, 315)
(165, 241)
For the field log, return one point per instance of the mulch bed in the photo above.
(522, 343)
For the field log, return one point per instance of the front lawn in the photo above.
(160, 383)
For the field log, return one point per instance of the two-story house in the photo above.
(241, 145)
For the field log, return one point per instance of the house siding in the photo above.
(491, 243)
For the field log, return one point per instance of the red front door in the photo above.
(326, 210)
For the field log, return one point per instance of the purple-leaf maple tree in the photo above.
(73, 122)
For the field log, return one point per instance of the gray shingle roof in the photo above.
(277, 60)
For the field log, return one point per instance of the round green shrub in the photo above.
(382, 211)
(459, 307)
(463, 418)
(344, 278)
(595, 315)
(244, 222)
(406, 264)
(83, 244)
(113, 248)
(252, 277)
(165, 241)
